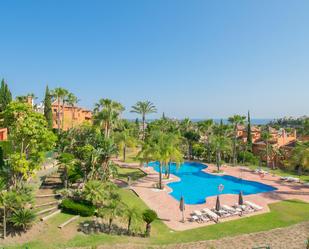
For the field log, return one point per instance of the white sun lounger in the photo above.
(254, 206)
(231, 210)
(195, 218)
(211, 214)
(200, 216)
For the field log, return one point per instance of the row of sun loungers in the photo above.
(206, 215)
(290, 179)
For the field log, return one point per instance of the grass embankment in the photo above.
(282, 214)
(282, 172)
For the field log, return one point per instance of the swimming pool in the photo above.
(195, 185)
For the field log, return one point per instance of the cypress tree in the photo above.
(5, 95)
(48, 113)
(249, 135)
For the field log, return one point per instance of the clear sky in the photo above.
(197, 59)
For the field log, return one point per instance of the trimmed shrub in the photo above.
(85, 209)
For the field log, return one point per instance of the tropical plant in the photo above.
(113, 210)
(205, 128)
(84, 209)
(220, 146)
(60, 94)
(124, 139)
(236, 120)
(132, 216)
(22, 218)
(72, 100)
(143, 108)
(300, 157)
(67, 161)
(266, 137)
(149, 216)
(106, 114)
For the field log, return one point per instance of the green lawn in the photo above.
(135, 174)
(281, 172)
(282, 214)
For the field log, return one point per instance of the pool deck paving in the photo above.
(168, 208)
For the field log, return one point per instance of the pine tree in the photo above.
(249, 135)
(48, 113)
(5, 95)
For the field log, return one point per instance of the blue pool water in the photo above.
(196, 185)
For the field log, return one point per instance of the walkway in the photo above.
(168, 208)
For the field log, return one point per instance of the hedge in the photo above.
(78, 208)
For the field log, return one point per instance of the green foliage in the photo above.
(84, 209)
(22, 218)
(5, 96)
(248, 157)
(48, 113)
(28, 139)
(149, 216)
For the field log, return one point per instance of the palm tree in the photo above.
(124, 140)
(220, 144)
(163, 148)
(143, 108)
(132, 215)
(107, 113)
(59, 94)
(72, 100)
(205, 128)
(236, 120)
(111, 211)
(149, 216)
(266, 137)
(300, 157)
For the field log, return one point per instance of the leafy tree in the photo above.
(143, 108)
(149, 216)
(106, 114)
(266, 137)
(48, 113)
(236, 120)
(97, 192)
(28, 139)
(5, 95)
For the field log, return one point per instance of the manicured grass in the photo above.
(135, 174)
(282, 214)
(281, 172)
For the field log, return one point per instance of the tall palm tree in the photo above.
(205, 128)
(107, 114)
(143, 108)
(72, 100)
(236, 120)
(59, 94)
(266, 137)
(220, 145)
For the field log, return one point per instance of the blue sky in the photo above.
(197, 59)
